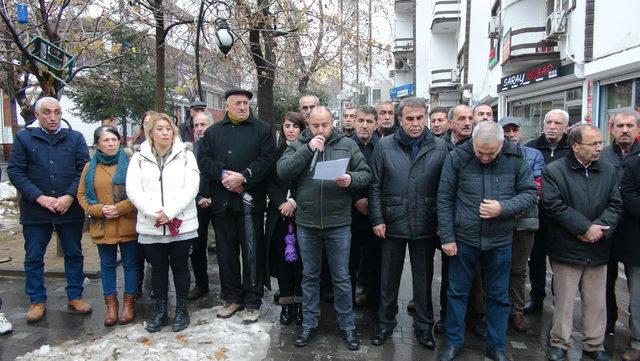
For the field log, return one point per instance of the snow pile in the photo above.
(206, 338)
(7, 191)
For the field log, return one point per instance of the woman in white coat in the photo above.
(162, 182)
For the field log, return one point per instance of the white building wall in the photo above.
(480, 76)
(522, 13)
(422, 66)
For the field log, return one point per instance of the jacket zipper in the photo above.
(164, 226)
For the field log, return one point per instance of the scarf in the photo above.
(119, 178)
(413, 144)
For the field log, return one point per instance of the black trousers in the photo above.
(199, 249)
(230, 235)
(364, 264)
(444, 284)
(289, 273)
(538, 267)
(421, 255)
(612, 304)
(165, 255)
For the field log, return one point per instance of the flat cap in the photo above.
(504, 121)
(234, 91)
(198, 104)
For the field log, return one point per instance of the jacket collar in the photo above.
(178, 146)
(226, 119)
(635, 148)
(543, 143)
(372, 141)
(576, 165)
(508, 148)
(40, 133)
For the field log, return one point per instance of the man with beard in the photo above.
(386, 122)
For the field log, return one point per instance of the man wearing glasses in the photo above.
(581, 200)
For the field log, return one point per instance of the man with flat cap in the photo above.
(186, 128)
(237, 154)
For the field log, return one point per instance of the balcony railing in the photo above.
(403, 45)
(525, 44)
(441, 78)
(445, 16)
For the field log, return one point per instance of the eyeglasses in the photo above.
(594, 144)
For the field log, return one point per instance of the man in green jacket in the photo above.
(323, 217)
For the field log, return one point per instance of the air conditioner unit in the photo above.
(495, 27)
(455, 76)
(556, 24)
(401, 64)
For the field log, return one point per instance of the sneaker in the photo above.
(250, 315)
(79, 305)
(36, 312)
(229, 310)
(5, 325)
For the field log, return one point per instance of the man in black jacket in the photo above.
(237, 154)
(364, 260)
(553, 146)
(630, 252)
(187, 129)
(485, 184)
(386, 121)
(624, 128)
(582, 203)
(402, 198)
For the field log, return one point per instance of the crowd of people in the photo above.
(453, 179)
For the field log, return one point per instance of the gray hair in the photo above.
(453, 110)
(627, 114)
(563, 114)
(367, 109)
(412, 102)
(38, 106)
(202, 114)
(487, 132)
(576, 133)
(381, 103)
(308, 96)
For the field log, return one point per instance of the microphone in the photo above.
(314, 161)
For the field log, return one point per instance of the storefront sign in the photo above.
(401, 91)
(538, 74)
(506, 47)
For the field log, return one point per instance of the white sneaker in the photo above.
(5, 325)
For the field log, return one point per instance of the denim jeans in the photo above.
(36, 239)
(108, 259)
(337, 243)
(495, 265)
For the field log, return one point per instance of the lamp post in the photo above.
(224, 40)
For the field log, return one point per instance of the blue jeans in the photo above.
(337, 243)
(108, 259)
(37, 237)
(495, 265)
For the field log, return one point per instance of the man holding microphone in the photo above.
(323, 217)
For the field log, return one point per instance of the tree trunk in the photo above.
(265, 62)
(160, 73)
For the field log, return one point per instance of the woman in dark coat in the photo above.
(280, 224)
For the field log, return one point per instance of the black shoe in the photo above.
(596, 355)
(285, 314)
(611, 327)
(297, 310)
(305, 336)
(449, 353)
(276, 296)
(196, 293)
(426, 338)
(479, 330)
(181, 321)
(381, 336)
(497, 355)
(439, 326)
(556, 353)
(160, 318)
(351, 339)
(532, 307)
(411, 306)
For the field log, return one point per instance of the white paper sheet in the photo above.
(331, 169)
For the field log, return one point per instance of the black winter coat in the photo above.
(562, 149)
(359, 221)
(466, 182)
(403, 192)
(628, 246)
(247, 148)
(574, 198)
(41, 164)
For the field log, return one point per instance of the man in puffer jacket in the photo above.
(323, 218)
(526, 228)
(486, 183)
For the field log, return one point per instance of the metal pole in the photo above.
(197, 48)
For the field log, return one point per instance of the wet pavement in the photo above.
(60, 325)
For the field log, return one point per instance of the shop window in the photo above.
(619, 95)
(637, 104)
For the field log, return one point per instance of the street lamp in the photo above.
(224, 40)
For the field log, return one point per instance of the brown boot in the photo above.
(111, 311)
(518, 322)
(79, 305)
(129, 309)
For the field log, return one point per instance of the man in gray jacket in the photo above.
(323, 217)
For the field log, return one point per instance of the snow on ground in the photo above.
(206, 338)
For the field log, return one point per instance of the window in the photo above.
(376, 95)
